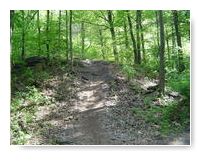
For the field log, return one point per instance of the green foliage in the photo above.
(180, 82)
(15, 104)
(170, 118)
(129, 71)
(147, 101)
(25, 83)
(28, 76)
(25, 115)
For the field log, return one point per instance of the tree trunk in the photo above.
(138, 21)
(67, 46)
(173, 46)
(12, 13)
(47, 34)
(23, 36)
(102, 45)
(157, 29)
(125, 35)
(132, 38)
(59, 31)
(39, 31)
(112, 31)
(70, 39)
(142, 38)
(167, 40)
(83, 40)
(181, 66)
(161, 54)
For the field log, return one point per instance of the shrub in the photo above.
(129, 71)
(180, 83)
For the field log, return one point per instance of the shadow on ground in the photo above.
(93, 108)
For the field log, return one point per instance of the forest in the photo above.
(100, 77)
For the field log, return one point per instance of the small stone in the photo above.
(61, 141)
(157, 133)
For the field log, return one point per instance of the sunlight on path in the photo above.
(95, 98)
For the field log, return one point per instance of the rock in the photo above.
(84, 78)
(157, 134)
(68, 118)
(32, 61)
(154, 87)
(18, 68)
(62, 141)
(174, 94)
(149, 91)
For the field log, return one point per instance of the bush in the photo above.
(129, 71)
(180, 83)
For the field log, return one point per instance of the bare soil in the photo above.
(93, 107)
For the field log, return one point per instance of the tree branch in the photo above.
(30, 20)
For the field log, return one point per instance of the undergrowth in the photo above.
(26, 97)
(170, 117)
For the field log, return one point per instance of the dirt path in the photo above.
(90, 101)
(93, 108)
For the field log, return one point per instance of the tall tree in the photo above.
(167, 41)
(132, 38)
(173, 45)
(161, 54)
(82, 40)
(12, 13)
(39, 31)
(138, 23)
(70, 39)
(181, 66)
(67, 45)
(47, 34)
(157, 29)
(102, 44)
(142, 37)
(23, 35)
(112, 31)
(59, 31)
(125, 35)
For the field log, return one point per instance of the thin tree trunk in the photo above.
(125, 35)
(59, 31)
(157, 30)
(112, 31)
(47, 35)
(173, 46)
(167, 40)
(142, 38)
(161, 54)
(23, 36)
(67, 46)
(102, 45)
(70, 38)
(132, 38)
(138, 21)
(39, 31)
(181, 66)
(82, 39)
(12, 14)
